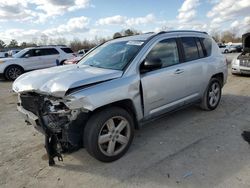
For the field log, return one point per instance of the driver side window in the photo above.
(165, 50)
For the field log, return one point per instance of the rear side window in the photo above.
(199, 46)
(190, 48)
(166, 51)
(67, 50)
(207, 43)
(49, 51)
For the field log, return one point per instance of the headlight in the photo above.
(236, 62)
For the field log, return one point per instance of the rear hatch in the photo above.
(246, 42)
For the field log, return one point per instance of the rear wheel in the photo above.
(212, 95)
(12, 72)
(108, 134)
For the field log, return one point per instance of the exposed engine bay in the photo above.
(62, 127)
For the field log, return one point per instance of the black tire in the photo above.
(207, 102)
(62, 62)
(95, 129)
(12, 72)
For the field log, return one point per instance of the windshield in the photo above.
(112, 55)
(20, 54)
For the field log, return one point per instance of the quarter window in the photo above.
(207, 43)
(190, 48)
(49, 51)
(199, 46)
(67, 50)
(166, 51)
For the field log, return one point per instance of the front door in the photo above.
(164, 88)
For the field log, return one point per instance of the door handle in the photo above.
(179, 71)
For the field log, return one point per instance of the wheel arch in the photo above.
(220, 77)
(61, 62)
(12, 65)
(126, 104)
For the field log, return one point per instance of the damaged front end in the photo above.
(61, 125)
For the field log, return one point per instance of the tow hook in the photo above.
(53, 148)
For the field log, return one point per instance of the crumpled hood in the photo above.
(57, 80)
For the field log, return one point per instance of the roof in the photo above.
(146, 36)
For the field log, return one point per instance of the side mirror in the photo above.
(151, 64)
(27, 56)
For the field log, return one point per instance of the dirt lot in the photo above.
(190, 148)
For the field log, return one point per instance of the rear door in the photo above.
(164, 88)
(194, 57)
(49, 57)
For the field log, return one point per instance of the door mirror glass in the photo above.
(27, 56)
(151, 64)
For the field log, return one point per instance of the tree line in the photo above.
(77, 44)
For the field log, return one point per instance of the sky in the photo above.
(28, 20)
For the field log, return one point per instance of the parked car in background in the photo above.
(82, 52)
(33, 58)
(239, 48)
(117, 87)
(3, 54)
(73, 60)
(241, 64)
(222, 48)
(230, 49)
(13, 52)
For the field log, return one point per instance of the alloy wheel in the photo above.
(14, 72)
(214, 94)
(114, 136)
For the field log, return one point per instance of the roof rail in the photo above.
(51, 45)
(151, 32)
(175, 31)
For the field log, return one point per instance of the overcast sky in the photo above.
(25, 19)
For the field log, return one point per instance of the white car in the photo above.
(13, 52)
(230, 49)
(82, 52)
(3, 54)
(222, 48)
(33, 58)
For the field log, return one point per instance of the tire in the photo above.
(12, 72)
(212, 95)
(108, 134)
(62, 62)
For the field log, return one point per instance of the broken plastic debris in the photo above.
(188, 174)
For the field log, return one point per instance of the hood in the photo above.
(246, 42)
(7, 59)
(57, 80)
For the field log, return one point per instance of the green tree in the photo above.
(129, 32)
(2, 44)
(13, 44)
(117, 35)
(23, 45)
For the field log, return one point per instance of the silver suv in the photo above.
(121, 84)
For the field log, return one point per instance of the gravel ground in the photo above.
(190, 148)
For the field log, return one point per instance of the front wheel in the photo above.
(108, 134)
(12, 72)
(212, 95)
